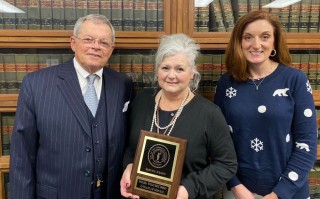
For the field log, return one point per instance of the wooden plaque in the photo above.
(157, 166)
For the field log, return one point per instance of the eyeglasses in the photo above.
(91, 41)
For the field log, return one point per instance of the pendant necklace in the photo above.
(257, 85)
(155, 119)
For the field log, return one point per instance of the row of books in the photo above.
(7, 121)
(139, 67)
(125, 15)
(221, 15)
(314, 181)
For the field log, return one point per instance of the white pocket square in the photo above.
(125, 107)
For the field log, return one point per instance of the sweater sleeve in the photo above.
(304, 136)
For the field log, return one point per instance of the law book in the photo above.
(314, 16)
(32, 63)
(125, 64)
(296, 60)
(93, 6)
(114, 62)
(223, 64)
(22, 18)
(127, 11)
(3, 85)
(227, 14)
(44, 61)
(1, 21)
(284, 14)
(305, 15)
(58, 15)
(139, 15)
(215, 18)
(116, 15)
(203, 19)
(70, 16)
(160, 22)
(312, 70)
(304, 63)
(318, 73)
(105, 8)
(148, 70)
(9, 19)
(207, 73)
(11, 116)
(216, 68)
(152, 15)
(253, 5)
(34, 15)
(199, 65)
(66, 57)
(137, 75)
(81, 8)
(21, 67)
(46, 14)
(5, 140)
(312, 180)
(242, 8)
(10, 73)
(55, 59)
(6, 185)
(263, 3)
(294, 17)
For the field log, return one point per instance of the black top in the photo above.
(210, 159)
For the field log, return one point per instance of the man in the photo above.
(62, 147)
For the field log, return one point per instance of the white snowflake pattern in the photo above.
(309, 89)
(256, 145)
(231, 92)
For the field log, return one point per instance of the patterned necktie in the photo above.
(90, 97)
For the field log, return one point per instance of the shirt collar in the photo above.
(83, 72)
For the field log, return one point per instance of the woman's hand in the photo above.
(241, 192)
(182, 193)
(272, 195)
(126, 182)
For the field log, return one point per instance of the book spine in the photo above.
(314, 16)
(21, 18)
(114, 62)
(294, 17)
(21, 66)
(207, 73)
(227, 14)
(81, 8)
(216, 20)
(148, 70)
(253, 5)
(32, 63)
(5, 142)
(127, 15)
(139, 15)
(125, 64)
(137, 76)
(105, 8)
(93, 6)
(305, 14)
(199, 65)
(160, 23)
(58, 15)
(284, 18)
(10, 73)
(151, 15)
(116, 15)
(9, 19)
(3, 85)
(265, 2)
(70, 16)
(46, 14)
(216, 68)
(203, 19)
(312, 70)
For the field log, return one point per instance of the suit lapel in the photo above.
(111, 93)
(69, 86)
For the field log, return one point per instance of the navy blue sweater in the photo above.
(274, 131)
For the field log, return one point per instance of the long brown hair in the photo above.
(236, 62)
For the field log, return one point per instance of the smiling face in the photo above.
(258, 42)
(92, 57)
(174, 74)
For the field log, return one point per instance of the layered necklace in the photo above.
(155, 119)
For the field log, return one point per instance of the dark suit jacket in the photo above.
(52, 130)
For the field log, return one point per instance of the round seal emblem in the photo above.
(158, 156)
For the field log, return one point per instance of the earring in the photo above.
(274, 53)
